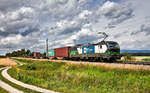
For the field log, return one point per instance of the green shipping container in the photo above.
(51, 52)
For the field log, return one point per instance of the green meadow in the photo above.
(73, 78)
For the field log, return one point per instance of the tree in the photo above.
(28, 53)
(128, 57)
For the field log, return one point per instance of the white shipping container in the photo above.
(79, 50)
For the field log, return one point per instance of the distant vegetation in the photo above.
(146, 59)
(2, 56)
(128, 57)
(22, 53)
(137, 54)
(71, 78)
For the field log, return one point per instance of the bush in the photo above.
(129, 57)
(30, 67)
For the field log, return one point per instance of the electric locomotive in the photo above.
(102, 51)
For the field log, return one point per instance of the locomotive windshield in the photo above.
(113, 45)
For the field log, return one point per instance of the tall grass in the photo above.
(2, 66)
(71, 78)
(146, 59)
(3, 90)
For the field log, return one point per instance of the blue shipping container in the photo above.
(88, 50)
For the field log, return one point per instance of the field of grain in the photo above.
(7, 62)
(80, 78)
(141, 58)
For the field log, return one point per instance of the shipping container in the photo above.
(79, 49)
(36, 54)
(88, 49)
(51, 53)
(100, 48)
(62, 52)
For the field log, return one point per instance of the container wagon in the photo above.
(51, 53)
(62, 53)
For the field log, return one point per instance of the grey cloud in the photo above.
(28, 21)
(19, 18)
(6, 5)
(5, 34)
(143, 28)
(28, 31)
(70, 30)
(116, 13)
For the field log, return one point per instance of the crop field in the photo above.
(80, 78)
(6, 62)
(146, 59)
(136, 58)
(142, 58)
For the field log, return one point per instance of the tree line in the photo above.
(23, 53)
(137, 54)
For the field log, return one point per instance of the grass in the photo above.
(146, 59)
(135, 58)
(2, 66)
(3, 90)
(15, 85)
(71, 78)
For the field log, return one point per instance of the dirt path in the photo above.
(8, 87)
(38, 89)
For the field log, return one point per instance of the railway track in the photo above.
(115, 62)
(128, 62)
(119, 62)
(133, 62)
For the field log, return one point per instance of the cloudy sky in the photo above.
(27, 23)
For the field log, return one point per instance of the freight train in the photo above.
(102, 51)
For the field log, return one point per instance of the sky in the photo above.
(28, 23)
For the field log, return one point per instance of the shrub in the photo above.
(30, 67)
(128, 57)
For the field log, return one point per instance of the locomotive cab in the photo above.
(113, 49)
